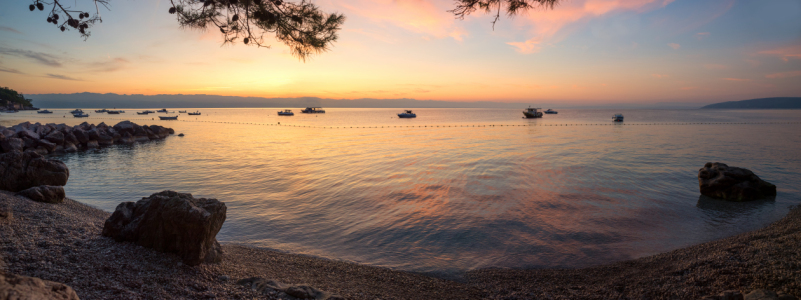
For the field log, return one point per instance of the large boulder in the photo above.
(171, 222)
(12, 144)
(56, 137)
(24, 287)
(126, 126)
(23, 170)
(718, 180)
(44, 193)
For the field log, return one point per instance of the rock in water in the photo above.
(44, 193)
(171, 222)
(23, 170)
(23, 287)
(718, 180)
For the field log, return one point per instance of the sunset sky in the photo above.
(582, 51)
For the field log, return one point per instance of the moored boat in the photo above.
(551, 111)
(101, 110)
(142, 113)
(181, 111)
(286, 112)
(80, 115)
(113, 112)
(617, 118)
(313, 110)
(163, 110)
(168, 118)
(531, 113)
(77, 111)
(197, 113)
(407, 114)
(44, 112)
(149, 112)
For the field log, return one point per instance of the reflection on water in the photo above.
(445, 199)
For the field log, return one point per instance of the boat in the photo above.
(77, 111)
(286, 112)
(551, 111)
(531, 113)
(164, 110)
(142, 113)
(149, 112)
(197, 113)
(113, 112)
(313, 110)
(80, 115)
(101, 110)
(407, 114)
(168, 118)
(181, 111)
(618, 118)
(44, 112)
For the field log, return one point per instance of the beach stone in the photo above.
(24, 287)
(12, 144)
(23, 170)
(761, 295)
(6, 214)
(55, 137)
(171, 222)
(267, 287)
(718, 180)
(44, 193)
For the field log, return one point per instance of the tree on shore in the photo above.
(8, 96)
(302, 26)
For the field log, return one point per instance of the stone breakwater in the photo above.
(50, 138)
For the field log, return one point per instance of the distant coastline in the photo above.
(761, 103)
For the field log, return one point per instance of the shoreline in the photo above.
(62, 243)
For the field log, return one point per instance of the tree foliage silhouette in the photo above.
(302, 26)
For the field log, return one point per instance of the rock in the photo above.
(127, 138)
(761, 295)
(44, 193)
(69, 148)
(12, 144)
(180, 134)
(718, 180)
(126, 126)
(266, 286)
(23, 287)
(81, 135)
(40, 150)
(171, 222)
(6, 214)
(30, 143)
(783, 296)
(27, 133)
(55, 137)
(225, 278)
(50, 146)
(70, 138)
(92, 144)
(726, 295)
(105, 140)
(23, 170)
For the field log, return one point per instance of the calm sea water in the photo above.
(450, 197)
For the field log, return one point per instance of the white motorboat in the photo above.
(313, 110)
(286, 112)
(77, 111)
(618, 118)
(551, 111)
(44, 112)
(407, 114)
(163, 110)
(531, 113)
(81, 115)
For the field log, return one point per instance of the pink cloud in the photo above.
(674, 46)
(785, 53)
(784, 74)
(421, 16)
(546, 24)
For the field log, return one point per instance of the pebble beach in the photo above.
(62, 243)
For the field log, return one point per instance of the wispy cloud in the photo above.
(14, 71)
(784, 74)
(9, 29)
(674, 46)
(62, 77)
(421, 16)
(39, 57)
(110, 65)
(702, 35)
(737, 79)
(785, 53)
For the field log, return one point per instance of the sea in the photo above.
(452, 190)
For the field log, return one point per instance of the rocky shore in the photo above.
(63, 243)
(49, 138)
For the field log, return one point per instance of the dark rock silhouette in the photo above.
(718, 180)
(24, 287)
(23, 170)
(44, 193)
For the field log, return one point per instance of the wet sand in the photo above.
(62, 243)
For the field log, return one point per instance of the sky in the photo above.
(580, 52)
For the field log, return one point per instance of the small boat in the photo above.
(80, 115)
(618, 118)
(286, 112)
(407, 114)
(76, 111)
(197, 113)
(101, 110)
(164, 110)
(44, 112)
(551, 111)
(149, 112)
(313, 110)
(142, 113)
(168, 118)
(531, 113)
(181, 111)
(113, 112)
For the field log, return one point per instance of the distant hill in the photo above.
(762, 103)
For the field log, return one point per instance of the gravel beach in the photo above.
(62, 243)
